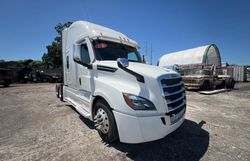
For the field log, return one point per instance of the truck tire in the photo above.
(57, 91)
(61, 92)
(104, 121)
(6, 84)
(222, 85)
(230, 83)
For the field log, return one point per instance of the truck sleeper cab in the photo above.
(107, 82)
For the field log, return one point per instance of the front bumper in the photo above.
(192, 85)
(139, 129)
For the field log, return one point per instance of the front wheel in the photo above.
(222, 85)
(205, 85)
(105, 122)
(6, 84)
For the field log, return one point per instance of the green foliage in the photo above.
(46, 60)
(53, 57)
(36, 64)
(21, 64)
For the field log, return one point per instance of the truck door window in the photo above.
(132, 56)
(85, 54)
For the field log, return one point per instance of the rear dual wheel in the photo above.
(230, 83)
(105, 122)
(59, 89)
(6, 84)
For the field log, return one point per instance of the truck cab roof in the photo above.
(82, 29)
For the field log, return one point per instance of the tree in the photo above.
(53, 57)
(46, 60)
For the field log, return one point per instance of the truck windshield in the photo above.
(201, 72)
(106, 50)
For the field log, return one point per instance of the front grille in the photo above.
(175, 104)
(173, 97)
(172, 89)
(170, 82)
(189, 81)
(174, 93)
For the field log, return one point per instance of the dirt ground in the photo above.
(35, 125)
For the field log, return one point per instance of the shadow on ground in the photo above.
(212, 91)
(10, 86)
(86, 121)
(188, 142)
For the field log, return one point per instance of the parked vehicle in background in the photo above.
(204, 79)
(248, 74)
(203, 65)
(41, 76)
(199, 79)
(107, 82)
(5, 77)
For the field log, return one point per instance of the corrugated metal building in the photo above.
(204, 55)
(238, 72)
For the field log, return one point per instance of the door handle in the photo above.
(80, 82)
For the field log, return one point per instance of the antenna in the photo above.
(146, 51)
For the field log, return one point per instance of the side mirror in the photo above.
(122, 62)
(176, 67)
(77, 53)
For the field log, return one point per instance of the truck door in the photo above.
(84, 74)
(68, 68)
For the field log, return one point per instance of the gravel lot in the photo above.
(35, 125)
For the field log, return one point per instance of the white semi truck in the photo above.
(107, 82)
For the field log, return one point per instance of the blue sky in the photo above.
(27, 26)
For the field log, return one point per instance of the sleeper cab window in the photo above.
(85, 54)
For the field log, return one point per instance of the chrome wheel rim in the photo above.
(101, 121)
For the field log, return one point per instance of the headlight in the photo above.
(138, 103)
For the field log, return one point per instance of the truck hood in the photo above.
(125, 82)
(141, 68)
(194, 76)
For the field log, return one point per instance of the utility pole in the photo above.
(146, 51)
(151, 55)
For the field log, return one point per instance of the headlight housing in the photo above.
(138, 103)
